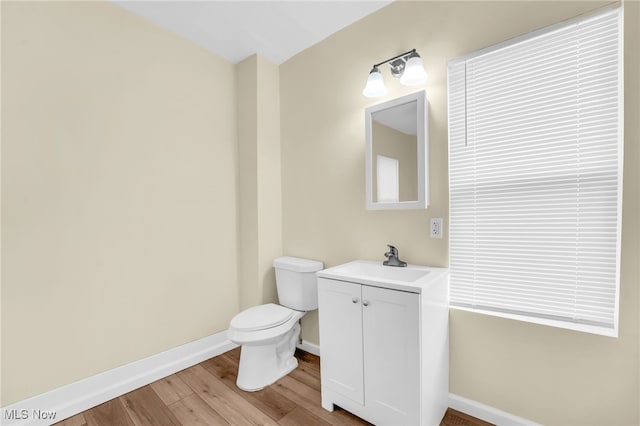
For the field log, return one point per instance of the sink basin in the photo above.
(412, 278)
(379, 271)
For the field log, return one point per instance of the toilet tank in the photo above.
(297, 283)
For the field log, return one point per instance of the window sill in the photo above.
(585, 328)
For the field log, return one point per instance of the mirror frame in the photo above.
(422, 135)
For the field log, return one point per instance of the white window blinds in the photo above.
(535, 153)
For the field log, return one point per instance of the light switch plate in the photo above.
(436, 227)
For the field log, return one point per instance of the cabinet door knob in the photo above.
(365, 302)
(354, 300)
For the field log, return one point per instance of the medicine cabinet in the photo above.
(397, 153)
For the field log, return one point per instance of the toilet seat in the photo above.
(261, 317)
(264, 335)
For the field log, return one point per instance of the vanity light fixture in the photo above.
(406, 66)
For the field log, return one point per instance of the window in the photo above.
(535, 165)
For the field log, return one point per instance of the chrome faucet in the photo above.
(392, 257)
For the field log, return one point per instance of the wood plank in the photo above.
(234, 354)
(306, 375)
(110, 413)
(77, 420)
(192, 410)
(310, 369)
(266, 400)
(224, 367)
(300, 416)
(311, 360)
(310, 399)
(456, 418)
(145, 407)
(171, 389)
(206, 394)
(231, 406)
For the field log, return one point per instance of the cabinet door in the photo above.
(340, 312)
(391, 355)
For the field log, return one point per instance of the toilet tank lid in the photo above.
(297, 264)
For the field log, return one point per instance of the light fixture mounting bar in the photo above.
(402, 55)
(407, 66)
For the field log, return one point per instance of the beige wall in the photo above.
(260, 200)
(545, 374)
(123, 212)
(118, 192)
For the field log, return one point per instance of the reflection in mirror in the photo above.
(396, 153)
(394, 138)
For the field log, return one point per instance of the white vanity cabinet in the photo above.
(384, 344)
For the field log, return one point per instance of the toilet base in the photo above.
(263, 364)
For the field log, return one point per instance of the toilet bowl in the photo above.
(268, 333)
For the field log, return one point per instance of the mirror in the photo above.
(396, 153)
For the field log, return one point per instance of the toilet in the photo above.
(268, 333)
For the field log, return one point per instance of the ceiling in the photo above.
(237, 29)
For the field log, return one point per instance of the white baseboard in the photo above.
(69, 400)
(312, 348)
(486, 412)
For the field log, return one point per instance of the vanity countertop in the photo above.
(412, 278)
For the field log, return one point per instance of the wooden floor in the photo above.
(206, 394)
